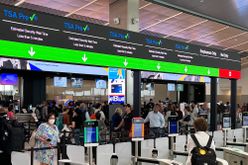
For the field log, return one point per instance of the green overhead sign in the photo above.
(48, 53)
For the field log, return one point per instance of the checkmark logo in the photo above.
(126, 36)
(32, 17)
(86, 28)
(159, 42)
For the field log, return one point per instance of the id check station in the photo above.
(101, 51)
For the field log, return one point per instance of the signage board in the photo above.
(41, 36)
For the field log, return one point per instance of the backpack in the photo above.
(203, 155)
(5, 135)
(17, 136)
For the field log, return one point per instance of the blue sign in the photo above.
(116, 99)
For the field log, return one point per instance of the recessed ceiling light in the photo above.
(201, 1)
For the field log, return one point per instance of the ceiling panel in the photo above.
(242, 47)
(200, 31)
(63, 5)
(235, 40)
(221, 35)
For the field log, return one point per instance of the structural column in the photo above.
(233, 102)
(213, 103)
(124, 14)
(34, 90)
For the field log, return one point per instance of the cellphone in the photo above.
(48, 140)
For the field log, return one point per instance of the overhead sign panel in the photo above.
(40, 36)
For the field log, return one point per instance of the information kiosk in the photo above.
(91, 137)
(245, 125)
(137, 134)
(173, 129)
(226, 125)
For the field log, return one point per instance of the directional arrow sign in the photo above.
(186, 69)
(158, 66)
(84, 58)
(31, 51)
(125, 63)
(209, 72)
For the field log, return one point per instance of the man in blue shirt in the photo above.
(157, 121)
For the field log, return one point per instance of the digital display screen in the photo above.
(8, 79)
(65, 44)
(180, 87)
(137, 128)
(60, 81)
(76, 82)
(91, 133)
(173, 127)
(116, 88)
(245, 119)
(227, 122)
(171, 87)
(101, 84)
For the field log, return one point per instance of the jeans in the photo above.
(77, 136)
(155, 132)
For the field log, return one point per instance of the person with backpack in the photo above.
(5, 138)
(201, 147)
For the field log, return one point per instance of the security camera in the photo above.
(117, 21)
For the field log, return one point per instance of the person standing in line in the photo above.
(47, 135)
(5, 136)
(201, 127)
(126, 121)
(157, 121)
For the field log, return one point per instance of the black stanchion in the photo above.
(32, 156)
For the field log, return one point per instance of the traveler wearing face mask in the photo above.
(47, 135)
(157, 121)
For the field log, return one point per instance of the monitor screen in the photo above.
(171, 87)
(245, 119)
(173, 127)
(179, 87)
(60, 81)
(76, 82)
(137, 128)
(116, 88)
(226, 122)
(8, 79)
(101, 84)
(91, 133)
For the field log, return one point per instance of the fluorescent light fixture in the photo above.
(74, 11)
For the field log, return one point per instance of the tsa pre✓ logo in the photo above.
(76, 27)
(153, 42)
(117, 35)
(182, 47)
(20, 15)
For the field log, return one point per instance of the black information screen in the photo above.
(27, 26)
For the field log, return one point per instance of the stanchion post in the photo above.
(32, 156)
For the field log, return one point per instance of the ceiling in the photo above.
(235, 12)
(154, 19)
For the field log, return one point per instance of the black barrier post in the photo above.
(32, 156)
(213, 102)
(233, 102)
(136, 103)
(136, 93)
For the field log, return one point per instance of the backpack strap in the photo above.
(196, 141)
(209, 141)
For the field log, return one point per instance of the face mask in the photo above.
(51, 121)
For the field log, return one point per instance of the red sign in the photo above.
(231, 74)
